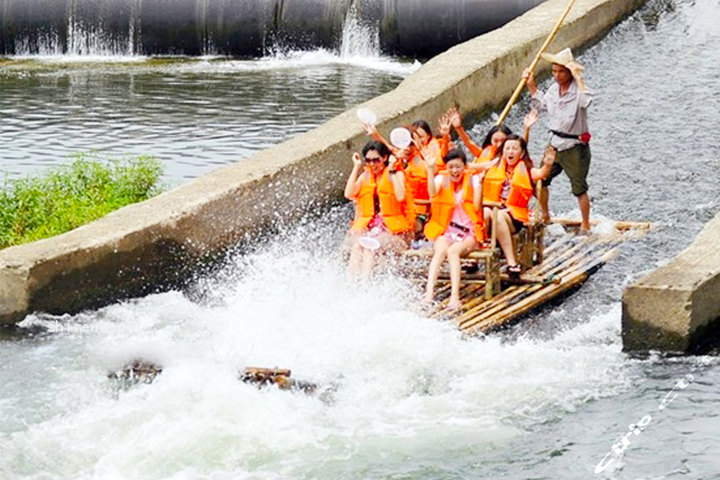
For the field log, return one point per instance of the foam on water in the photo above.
(405, 385)
(75, 58)
(212, 64)
(296, 59)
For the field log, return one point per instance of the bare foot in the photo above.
(427, 301)
(454, 304)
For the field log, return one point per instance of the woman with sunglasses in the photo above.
(384, 211)
(424, 146)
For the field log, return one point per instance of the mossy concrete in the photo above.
(677, 307)
(155, 243)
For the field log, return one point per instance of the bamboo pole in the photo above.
(504, 309)
(524, 279)
(539, 297)
(574, 258)
(478, 305)
(560, 243)
(534, 296)
(533, 64)
(476, 308)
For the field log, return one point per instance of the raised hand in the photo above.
(418, 145)
(369, 129)
(401, 153)
(455, 118)
(444, 125)
(549, 155)
(529, 77)
(392, 162)
(357, 160)
(430, 165)
(531, 118)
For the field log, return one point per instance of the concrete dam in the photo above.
(242, 28)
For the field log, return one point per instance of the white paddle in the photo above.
(366, 116)
(401, 138)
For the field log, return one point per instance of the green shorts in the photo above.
(575, 162)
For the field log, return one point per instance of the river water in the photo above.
(192, 114)
(411, 398)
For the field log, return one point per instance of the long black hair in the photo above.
(501, 128)
(424, 125)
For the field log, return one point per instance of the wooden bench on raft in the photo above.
(528, 245)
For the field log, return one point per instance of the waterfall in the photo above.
(360, 36)
(44, 42)
(88, 32)
(134, 30)
(208, 42)
(352, 28)
(82, 28)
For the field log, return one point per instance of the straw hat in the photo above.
(563, 57)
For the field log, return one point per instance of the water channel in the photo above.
(546, 399)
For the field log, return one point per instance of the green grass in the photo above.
(72, 195)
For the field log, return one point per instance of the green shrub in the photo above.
(72, 195)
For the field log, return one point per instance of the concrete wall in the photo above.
(677, 307)
(155, 244)
(248, 27)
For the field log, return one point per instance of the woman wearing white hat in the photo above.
(566, 103)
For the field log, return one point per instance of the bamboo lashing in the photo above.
(539, 296)
(533, 64)
(570, 260)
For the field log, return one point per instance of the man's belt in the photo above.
(583, 137)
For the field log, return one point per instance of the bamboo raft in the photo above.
(564, 264)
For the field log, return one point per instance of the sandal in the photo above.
(514, 270)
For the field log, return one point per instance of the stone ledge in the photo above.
(675, 307)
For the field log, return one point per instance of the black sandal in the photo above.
(514, 270)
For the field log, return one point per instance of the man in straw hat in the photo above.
(566, 103)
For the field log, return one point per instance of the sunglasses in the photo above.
(373, 160)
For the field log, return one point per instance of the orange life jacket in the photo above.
(442, 207)
(397, 216)
(520, 189)
(416, 178)
(408, 204)
(487, 154)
